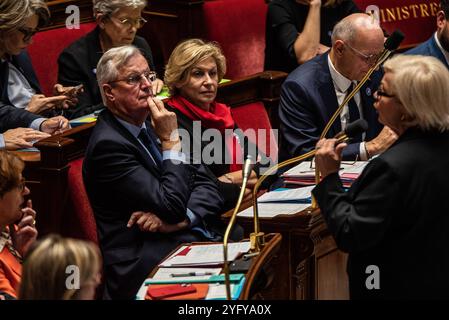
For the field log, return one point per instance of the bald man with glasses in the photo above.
(313, 92)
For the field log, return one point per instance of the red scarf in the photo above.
(218, 117)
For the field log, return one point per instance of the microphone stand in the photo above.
(382, 58)
(257, 237)
(246, 172)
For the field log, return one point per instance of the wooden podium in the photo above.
(261, 273)
(309, 264)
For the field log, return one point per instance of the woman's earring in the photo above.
(402, 117)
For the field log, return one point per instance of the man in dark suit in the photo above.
(312, 93)
(146, 199)
(438, 44)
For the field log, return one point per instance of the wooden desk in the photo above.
(309, 267)
(261, 274)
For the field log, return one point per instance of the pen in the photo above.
(191, 274)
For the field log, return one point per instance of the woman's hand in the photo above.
(156, 86)
(328, 156)
(55, 125)
(26, 233)
(70, 92)
(39, 103)
(22, 138)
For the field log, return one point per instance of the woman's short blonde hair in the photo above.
(50, 262)
(14, 14)
(185, 56)
(421, 83)
(109, 7)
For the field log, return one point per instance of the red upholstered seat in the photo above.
(45, 50)
(239, 27)
(254, 116)
(416, 19)
(79, 221)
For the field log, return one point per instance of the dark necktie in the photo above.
(354, 113)
(151, 144)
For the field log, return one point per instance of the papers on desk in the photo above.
(304, 174)
(273, 209)
(285, 202)
(202, 255)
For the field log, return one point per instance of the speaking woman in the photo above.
(394, 220)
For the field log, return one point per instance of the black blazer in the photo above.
(395, 217)
(10, 116)
(121, 178)
(77, 64)
(308, 101)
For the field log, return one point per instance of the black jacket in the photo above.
(395, 217)
(10, 116)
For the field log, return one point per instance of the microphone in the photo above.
(257, 238)
(353, 129)
(246, 172)
(394, 40)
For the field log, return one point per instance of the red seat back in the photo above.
(239, 27)
(45, 50)
(79, 220)
(254, 116)
(416, 19)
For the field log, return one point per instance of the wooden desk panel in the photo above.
(310, 267)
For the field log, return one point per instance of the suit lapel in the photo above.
(367, 99)
(436, 51)
(327, 95)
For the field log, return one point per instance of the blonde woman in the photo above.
(59, 268)
(298, 30)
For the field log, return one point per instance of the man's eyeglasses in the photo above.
(129, 23)
(369, 59)
(28, 33)
(137, 79)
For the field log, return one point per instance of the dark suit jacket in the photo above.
(308, 101)
(10, 116)
(395, 216)
(77, 64)
(429, 48)
(121, 178)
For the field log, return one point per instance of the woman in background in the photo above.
(298, 30)
(117, 25)
(17, 224)
(57, 268)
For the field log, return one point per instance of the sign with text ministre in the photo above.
(415, 18)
